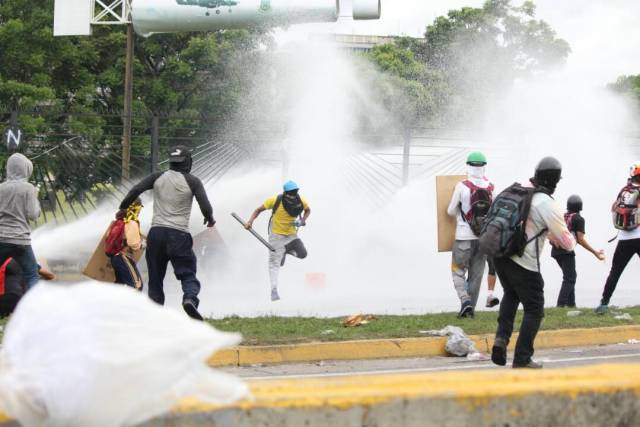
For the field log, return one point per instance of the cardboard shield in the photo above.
(99, 266)
(446, 224)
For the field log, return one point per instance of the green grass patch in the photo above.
(289, 330)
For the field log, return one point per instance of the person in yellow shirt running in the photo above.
(289, 211)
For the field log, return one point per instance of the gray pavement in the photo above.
(552, 358)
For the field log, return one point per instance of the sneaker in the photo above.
(274, 295)
(532, 364)
(499, 352)
(190, 308)
(466, 310)
(602, 309)
(492, 301)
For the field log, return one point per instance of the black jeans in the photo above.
(567, 295)
(625, 250)
(166, 245)
(520, 286)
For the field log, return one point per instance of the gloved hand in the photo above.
(210, 222)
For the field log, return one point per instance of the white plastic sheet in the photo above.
(100, 355)
(458, 343)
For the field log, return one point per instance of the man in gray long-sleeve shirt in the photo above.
(19, 205)
(169, 239)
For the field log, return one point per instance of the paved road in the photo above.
(552, 358)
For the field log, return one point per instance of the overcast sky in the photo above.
(604, 34)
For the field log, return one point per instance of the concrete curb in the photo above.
(572, 397)
(407, 347)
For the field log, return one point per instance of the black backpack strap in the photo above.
(275, 207)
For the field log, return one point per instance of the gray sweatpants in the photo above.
(277, 241)
(467, 269)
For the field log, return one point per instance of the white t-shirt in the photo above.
(544, 213)
(462, 197)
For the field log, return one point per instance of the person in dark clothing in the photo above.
(12, 286)
(567, 259)
(625, 213)
(169, 239)
(520, 274)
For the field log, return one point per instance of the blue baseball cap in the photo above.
(290, 186)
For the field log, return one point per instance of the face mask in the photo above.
(475, 171)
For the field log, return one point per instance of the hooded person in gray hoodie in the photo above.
(19, 205)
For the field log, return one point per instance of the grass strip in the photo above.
(290, 330)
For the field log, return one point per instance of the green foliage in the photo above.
(68, 79)
(409, 89)
(479, 51)
(483, 50)
(627, 85)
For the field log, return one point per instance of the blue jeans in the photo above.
(23, 254)
(166, 245)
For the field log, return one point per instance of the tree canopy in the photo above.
(480, 52)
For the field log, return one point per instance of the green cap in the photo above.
(476, 159)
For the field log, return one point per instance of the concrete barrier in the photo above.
(604, 395)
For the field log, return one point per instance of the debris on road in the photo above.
(477, 357)
(625, 316)
(357, 320)
(458, 343)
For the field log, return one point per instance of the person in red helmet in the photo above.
(626, 217)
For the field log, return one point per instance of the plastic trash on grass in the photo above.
(99, 355)
(458, 343)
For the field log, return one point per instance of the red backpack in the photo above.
(480, 201)
(625, 213)
(115, 241)
(3, 272)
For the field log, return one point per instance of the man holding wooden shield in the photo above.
(469, 205)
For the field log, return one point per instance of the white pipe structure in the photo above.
(367, 9)
(170, 16)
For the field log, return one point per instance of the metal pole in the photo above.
(155, 142)
(13, 124)
(128, 101)
(406, 156)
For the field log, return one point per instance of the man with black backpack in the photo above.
(626, 218)
(286, 208)
(469, 205)
(169, 239)
(515, 229)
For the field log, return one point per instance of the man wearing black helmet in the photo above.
(520, 273)
(567, 259)
(169, 239)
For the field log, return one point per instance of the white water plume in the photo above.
(383, 259)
